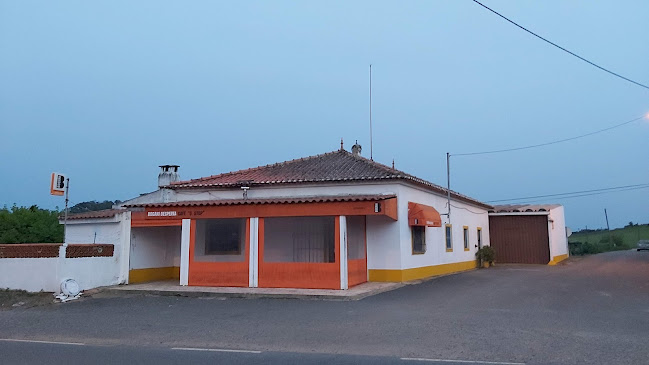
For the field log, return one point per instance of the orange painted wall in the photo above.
(302, 275)
(356, 272)
(218, 273)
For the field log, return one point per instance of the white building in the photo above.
(328, 221)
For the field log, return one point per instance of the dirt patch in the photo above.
(11, 299)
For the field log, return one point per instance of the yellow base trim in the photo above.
(557, 259)
(153, 274)
(420, 272)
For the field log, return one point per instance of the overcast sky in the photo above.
(107, 91)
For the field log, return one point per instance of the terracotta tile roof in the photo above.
(516, 208)
(106, 213)
(286, 200)
(336, 166)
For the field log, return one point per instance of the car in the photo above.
(643, 245)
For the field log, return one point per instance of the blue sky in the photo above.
(107, 91)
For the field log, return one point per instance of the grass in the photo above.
(10, 299)
(587, 242)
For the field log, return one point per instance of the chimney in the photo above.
(167, 175)
(356, 149)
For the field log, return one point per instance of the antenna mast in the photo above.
(371, 146)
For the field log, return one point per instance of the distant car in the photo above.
(643, 245)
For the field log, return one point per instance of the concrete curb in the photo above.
(234, 295)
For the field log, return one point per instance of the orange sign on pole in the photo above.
(57, 185)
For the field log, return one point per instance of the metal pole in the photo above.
(65, 216)
(610, 236)
(371, 145)
(448, 184)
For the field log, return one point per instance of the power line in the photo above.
(561, 48)
(576, 194)
(549, 143)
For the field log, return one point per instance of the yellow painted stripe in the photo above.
(420, 272)
(557, 259)
(153, 274)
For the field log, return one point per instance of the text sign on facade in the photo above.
(172, 214)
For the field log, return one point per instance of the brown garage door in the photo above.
(521, 239)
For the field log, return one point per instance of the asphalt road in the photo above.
(593, 311)
(31, 353)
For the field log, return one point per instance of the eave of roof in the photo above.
(285, 200)
(523, 208)
(106, 213)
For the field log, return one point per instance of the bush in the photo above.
(486, 254)
(605, 244)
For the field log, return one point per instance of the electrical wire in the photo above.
(469, 210)
(577, 194)
(549, 143)
(561, 48)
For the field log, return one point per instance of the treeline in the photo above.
(30, 225)
(37, 225)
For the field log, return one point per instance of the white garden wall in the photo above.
(31, 274)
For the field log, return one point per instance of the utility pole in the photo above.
(65, 216)
(448, 185)
(371, 145)
(608, 228)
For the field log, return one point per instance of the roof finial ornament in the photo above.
(392, 164)
(341, 144)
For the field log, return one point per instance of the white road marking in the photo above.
(462, 361)
(49, 342)
(215, 350)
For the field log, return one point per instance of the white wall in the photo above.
(558, 239)
(90, 272)
(155, 247)
(462, 214)
(31, 274)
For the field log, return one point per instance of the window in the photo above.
(479, 237)
(449, 238)
(220, 240)
(418, 240)
(355, 237)
(224, 236)
(300, 239)
(465, 231)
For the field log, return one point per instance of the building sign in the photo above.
(173, 214)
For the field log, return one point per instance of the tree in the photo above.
(30, 225)
(92, 206)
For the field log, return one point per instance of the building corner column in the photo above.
(253, 255)
(344, 280)
(185, 238)
(125, 243)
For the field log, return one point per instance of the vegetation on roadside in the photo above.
(10, 299)
(37, 225)
(30, 225)
(597, 241)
